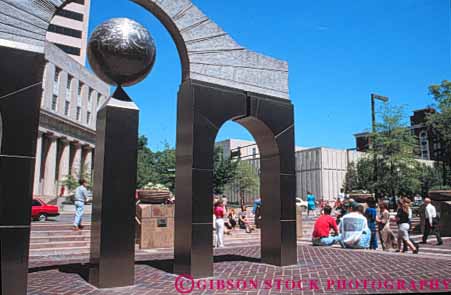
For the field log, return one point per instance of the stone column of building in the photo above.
(64, 162)
(37, 168)
(87, 159)
(76, 161)
(49, 185)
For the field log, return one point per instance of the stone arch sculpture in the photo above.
(221, 81)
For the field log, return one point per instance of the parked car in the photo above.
(301, 203)
(41, 211)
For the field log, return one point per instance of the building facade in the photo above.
(69, 29)
(429, 146)
(320, 170)
(66, 140)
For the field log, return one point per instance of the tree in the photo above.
(440, 123)
(393, 149)
(225, 170)
(246, 179)
(164, 167)
(145, 166)
(390, 167)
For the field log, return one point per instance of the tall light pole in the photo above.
(375, 97)
(373, 109)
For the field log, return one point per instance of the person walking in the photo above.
(431, 223)
(80, 198)
(402, 218)
(310, 203)
(219, 213)
(387, 237)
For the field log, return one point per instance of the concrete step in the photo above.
(59, 251)
(60, 245)
(54, 227)
(70, 233)
(51, 239)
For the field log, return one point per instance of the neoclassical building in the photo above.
(66, 140)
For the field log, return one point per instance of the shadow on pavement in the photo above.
(167, 265)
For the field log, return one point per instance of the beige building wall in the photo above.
(69, 29)
(66, 140)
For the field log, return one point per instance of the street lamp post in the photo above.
(375, 97)
(373, 109)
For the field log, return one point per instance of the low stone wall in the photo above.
(155, 228)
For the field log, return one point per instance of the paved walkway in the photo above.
(321, 271)
(58, 259)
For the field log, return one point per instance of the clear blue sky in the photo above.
(338, 53)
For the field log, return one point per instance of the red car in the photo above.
(40, 210)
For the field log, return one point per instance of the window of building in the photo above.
(70, 14)
(65, 31)
(78, 113)
(66, 108)
(424, 145)
(69, 49)
(54, 102)
(69, 81)
(88, 117)
(98, 98)
(80, 87)
(57, 74)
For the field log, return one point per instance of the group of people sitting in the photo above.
(354, 227)
(226, 219)
(351, 232)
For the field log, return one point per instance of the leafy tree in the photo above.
(430, 177)
(390, 167)
(393, 150)
(164, 167)
(225, 170)
(246, 179)
(440, 123)
(145, 166)
(70, 182)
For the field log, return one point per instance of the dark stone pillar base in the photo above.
(113, 214)
(202, 110)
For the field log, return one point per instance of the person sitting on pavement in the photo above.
(243, 220)
(230, 223)
(354, 230)
(323, 225)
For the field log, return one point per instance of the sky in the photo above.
(339, 52)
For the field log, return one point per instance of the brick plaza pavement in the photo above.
(316, 266)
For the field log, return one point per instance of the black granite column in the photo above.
(113, 214)
(271, 122)
(201, 111)
(20, 99)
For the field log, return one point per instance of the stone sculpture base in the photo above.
(113, 208)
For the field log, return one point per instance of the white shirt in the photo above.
(430, 213)
(352, 226)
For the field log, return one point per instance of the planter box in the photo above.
(156, 228)
(153, 196)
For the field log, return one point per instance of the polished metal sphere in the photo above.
(121, 52)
